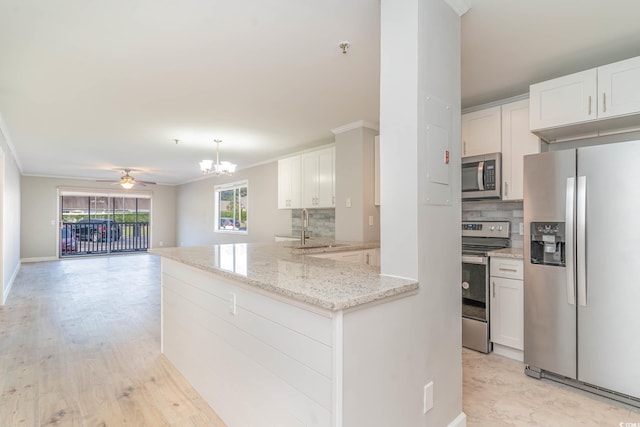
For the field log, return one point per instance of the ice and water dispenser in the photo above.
(548, 243)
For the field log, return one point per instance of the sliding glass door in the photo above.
(94, 224)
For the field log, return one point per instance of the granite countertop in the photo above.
(286, 271)
(516, 253)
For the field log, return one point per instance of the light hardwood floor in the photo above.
(496, 393)
(80, 346)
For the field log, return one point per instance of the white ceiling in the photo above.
(88, 87)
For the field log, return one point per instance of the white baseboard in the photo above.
(459, 421)
(509, 352)
(39, 259)
(5, 294)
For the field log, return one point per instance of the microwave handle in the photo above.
(481, 176)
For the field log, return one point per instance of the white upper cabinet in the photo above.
(481, 132)
(565, 100)
(307, 180)
(594, 102)
(517, 142)
(619, 88)
(289, 180)
(318, 188)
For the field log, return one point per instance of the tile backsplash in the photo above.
(321, 222)
(511, 211)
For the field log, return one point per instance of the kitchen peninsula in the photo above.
(271, 335)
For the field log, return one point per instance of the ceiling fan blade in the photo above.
(145, 182)
(107, 180)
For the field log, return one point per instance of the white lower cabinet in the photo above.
(371, 257)
(366, 256)
(507, 307)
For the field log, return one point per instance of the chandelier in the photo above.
(220, 168)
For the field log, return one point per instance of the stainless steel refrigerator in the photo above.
(582, 268)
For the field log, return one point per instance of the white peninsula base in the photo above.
(261, 359)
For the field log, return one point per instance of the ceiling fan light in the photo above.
(127, 185)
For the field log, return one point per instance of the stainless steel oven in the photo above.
(475, 302)
(479, 238)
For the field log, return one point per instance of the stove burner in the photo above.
(481, 237)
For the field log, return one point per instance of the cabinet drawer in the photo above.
(507, 267)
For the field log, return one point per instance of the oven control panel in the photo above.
(486, 228)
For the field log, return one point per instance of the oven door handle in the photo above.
(470, 259)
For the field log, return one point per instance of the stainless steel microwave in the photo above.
(481, 177)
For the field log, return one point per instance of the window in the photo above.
(231, 207)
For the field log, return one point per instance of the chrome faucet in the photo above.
(304, 219)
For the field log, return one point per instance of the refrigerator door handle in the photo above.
(581, 240)
(481, 176)
(569, 216)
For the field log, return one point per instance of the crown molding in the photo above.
(355, 125)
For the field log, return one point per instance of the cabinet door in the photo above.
(481, 132)
(326, 178)
(371, 257)
(310, 180)
(517, 141)
(318, 181)
(619, 88)
(507, 312)
(289, 190)
(562, 101)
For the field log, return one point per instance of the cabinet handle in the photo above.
(494, 288)
(367, 261)
(506, 188)
(589, 106)
(604, 102)
(464, 147)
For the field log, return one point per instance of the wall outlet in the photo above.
(348, 202)
(370, 220)
(428, 397)
(521, 228)
(161, 243)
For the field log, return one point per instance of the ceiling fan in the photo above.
(127, 181)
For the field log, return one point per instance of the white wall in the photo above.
(10, 218)
(355, 180)
(40, 207)
(420, 46)
(196, 209)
